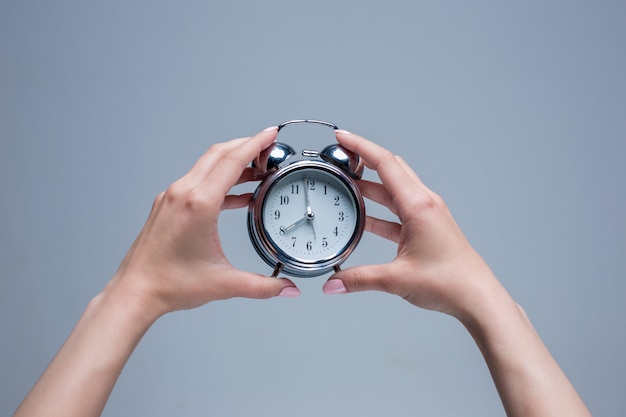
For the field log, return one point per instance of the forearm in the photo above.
(80, 378)
(528, 379)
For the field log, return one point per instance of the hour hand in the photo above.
(292, 226)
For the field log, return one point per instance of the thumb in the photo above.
(250, 285)
(360, 278)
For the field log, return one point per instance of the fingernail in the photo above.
(342, 131)
(269, 129)
(334, 286)
(290, 292)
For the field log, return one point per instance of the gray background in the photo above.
(514, 113)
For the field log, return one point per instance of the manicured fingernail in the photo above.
(334, 286)
(269, 129)
(290, 292)
(342, 131)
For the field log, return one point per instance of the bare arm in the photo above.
(527, 377)
(175, 263)
(80, 378)
(436, 268)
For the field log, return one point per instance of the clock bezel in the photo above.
(276, 257)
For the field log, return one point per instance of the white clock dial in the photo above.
(310, 215)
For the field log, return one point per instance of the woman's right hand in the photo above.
(435, 267)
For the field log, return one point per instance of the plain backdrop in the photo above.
(514, 112)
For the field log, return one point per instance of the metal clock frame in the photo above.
(336, 166)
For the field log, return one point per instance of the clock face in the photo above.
(310, 215)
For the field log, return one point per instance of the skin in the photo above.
(177, 262)
(437, 269)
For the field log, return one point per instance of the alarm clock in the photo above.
(307, 215)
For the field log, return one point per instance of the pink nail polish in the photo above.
(345, 132)
(334, 286)
(289, 292)
(269, 129)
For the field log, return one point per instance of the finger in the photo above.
(378, 193)
(406, 188)
(408, 169)
(360, 278)
(250, 285)
(377, 157)
(232, 164)
(383, 228)
(239, 201)
(413, 175)
(248, 175)
(372, 154)
(236, 201)
(207, 161)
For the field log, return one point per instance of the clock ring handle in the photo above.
(319, 122)
(334, 154)
(271, 158)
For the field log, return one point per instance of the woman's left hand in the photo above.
(177, 261)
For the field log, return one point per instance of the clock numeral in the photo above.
(282, 231)
(309, 245)
(295, 188)
(341, 216)
(337, 200)
(336, 231)
(276, 214)
(284, 200)
(311, 184)
(325, 190)
(324, 242)
(293, 240)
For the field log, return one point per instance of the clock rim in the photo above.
(271, 254)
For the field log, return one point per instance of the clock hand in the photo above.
(307, 216)
(306, 196)
(309, 211)
(294, 225)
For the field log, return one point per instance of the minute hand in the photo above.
(309, 211)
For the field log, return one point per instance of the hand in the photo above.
(435, 267)
(177, 261)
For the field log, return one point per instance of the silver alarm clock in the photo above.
(307, 215)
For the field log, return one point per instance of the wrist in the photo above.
(125, 294)
(492, 310)
(485, 302)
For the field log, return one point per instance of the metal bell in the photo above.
(342, 158)
(270, 158)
